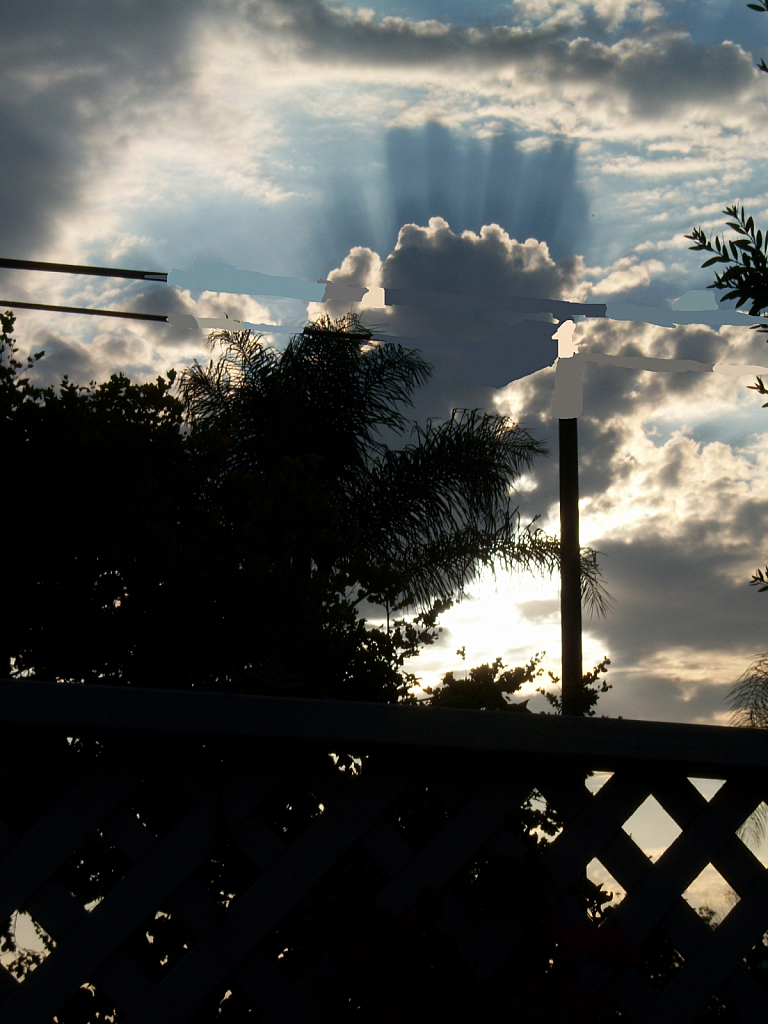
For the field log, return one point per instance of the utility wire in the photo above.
(81, 309)
(69, 268)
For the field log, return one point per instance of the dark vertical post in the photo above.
(570, 569)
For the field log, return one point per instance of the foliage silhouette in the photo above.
(410, 526)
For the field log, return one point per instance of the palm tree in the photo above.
(408, 527)
(749, 704)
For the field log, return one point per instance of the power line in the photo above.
(70, 268)
(81, 309)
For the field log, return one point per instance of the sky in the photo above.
(535, 148)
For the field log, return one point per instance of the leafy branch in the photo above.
(764, 8)
(748, 277)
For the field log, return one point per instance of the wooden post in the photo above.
(570, 567)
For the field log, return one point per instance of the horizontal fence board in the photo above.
(602, 743)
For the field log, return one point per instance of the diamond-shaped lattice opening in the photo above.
(160, 802)
(290, 808)
(651, 828)
(711, 891)
(349, 764)
(661, 961)
(757, 961)
(539, 819)
(707, 787)
(493, 881)
(227, 1004)
(601, 877)
(159, 943)
(753, 832)
(88, 1003)
(596, 780)
(227, 873)
(329, 916)
(93, 869)
(25, 945)
(417, 814)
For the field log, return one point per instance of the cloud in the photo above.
(611, 12)
(661, 70)
(435, 258)
(65, 71)
(62, 358)
(627, 274)
(564, 153)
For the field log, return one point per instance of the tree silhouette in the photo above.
(411, 526)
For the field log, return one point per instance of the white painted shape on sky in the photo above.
(519, 352)
(694, 300)
(221, 277)
(568, 400)
(566, 346)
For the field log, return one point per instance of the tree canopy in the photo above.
(225, 537)
(411, 525)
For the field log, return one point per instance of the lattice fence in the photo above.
(254, 879)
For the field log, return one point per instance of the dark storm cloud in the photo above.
(666, 698)
(62, 358)
(657, 71)
(673, 593)
(65, 70)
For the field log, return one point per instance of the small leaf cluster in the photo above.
(764, 8)
(587, 697)
(748, 278)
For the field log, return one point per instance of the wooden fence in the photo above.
(235, 767)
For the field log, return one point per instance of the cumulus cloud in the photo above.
(628, 273)
(612, 13)
(434, 258)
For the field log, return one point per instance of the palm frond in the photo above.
(749, 697)
(749, 705)
(441, 567)
(753, 829)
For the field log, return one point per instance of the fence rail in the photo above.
(429, 826)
